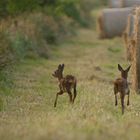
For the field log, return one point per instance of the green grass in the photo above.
(28, 113)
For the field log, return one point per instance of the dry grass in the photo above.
(28, 111)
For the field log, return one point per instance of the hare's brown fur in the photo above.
(66, 84)
(121, 86)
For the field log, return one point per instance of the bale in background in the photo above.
(129, 3)
(128, 37)
(115, 3)
(100, 26)
(112, 22)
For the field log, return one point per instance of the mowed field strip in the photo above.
(28, 111)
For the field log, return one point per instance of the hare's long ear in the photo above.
(62, 67)
(120, 68)
(59, 66)
(128, 68)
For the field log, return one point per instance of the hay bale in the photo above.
(130, 25)
(132, 42)
(130, 3)
(136, 51)
(128, 37)
(115, 3)
(112, 22)
(100, 27)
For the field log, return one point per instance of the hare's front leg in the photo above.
(59, 93)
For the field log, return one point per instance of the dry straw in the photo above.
(112, 22)
(129, 3)
(132, 43)
(128, 36)
(136, 50)
(100, 26)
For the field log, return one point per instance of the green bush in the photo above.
(3, 10)
(26, 47)
(5, 51)
(6, 82)
(1, 104)
(48, 34)
(62, 16)
(22, 46)
(20, 6)
(70, 8)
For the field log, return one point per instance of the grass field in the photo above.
(27, 111)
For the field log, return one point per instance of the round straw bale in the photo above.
(135, 49)
(115, 3)
(130, 26)
(130, 3)
(100, 26)
(113, 21)
(128, 37)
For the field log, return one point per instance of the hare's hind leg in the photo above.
(115, 93)
(128, 98)
(122, 102)
(75, 93)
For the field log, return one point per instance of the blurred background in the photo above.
(38, 35)
(28, 28)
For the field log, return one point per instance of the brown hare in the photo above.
(121, 86)
(66, 84)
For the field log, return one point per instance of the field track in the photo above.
(28, 112)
